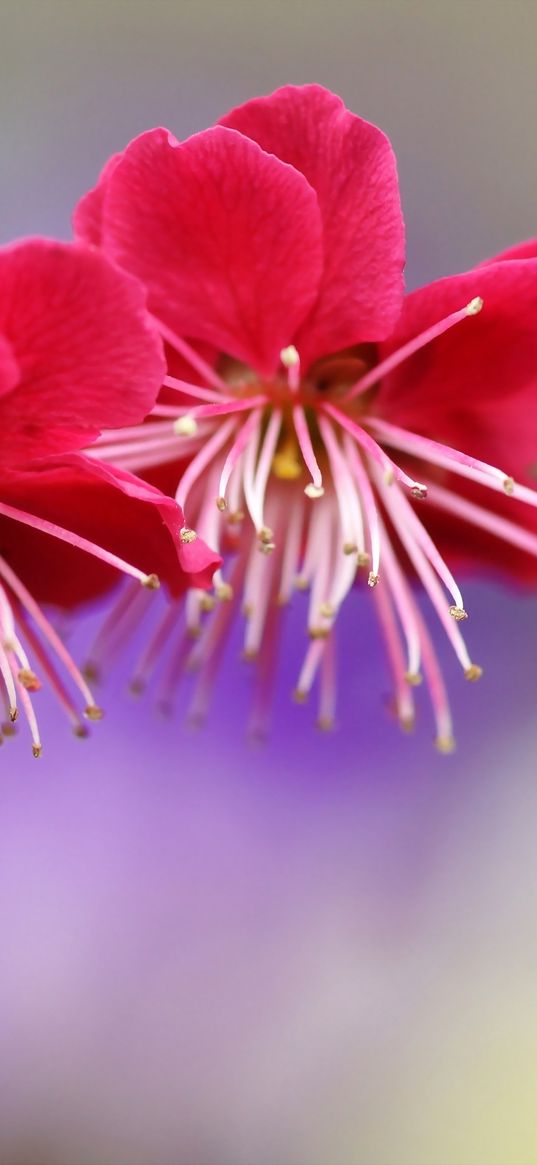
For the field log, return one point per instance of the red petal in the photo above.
(105, 505)
(226, 238)
(525, 250)
(88, 357)
(486, 362)
(351, 166)
(88, 214)
(9, 369)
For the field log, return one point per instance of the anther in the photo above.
(299, 696)
(474, 672)
(236, 518)
(37, 749)
(91, 672)
(221, 504)
(318, 632)
(509, 485)
(289, 356)
(136, 686)
(363, 558)
(474, 307)
(349, 548)
(207, 603)
(419, 491)
(313, 491)
(185, 427)
(80, 731)
(413, 678)
(372, 579)
(325, 724)
(249, 655)
(445, 744)
(458, 613)
(151, 582)
(13, 714)
(389, 476)
(28, 679)
(188, 535)
(224, 592)
(327, 611)
(407, 721)
(93, 712)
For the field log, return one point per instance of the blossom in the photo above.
(77, 354)
(314, 415)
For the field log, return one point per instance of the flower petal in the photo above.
(109, 507)
(525, 250)
(351, 166)
(447, 388)
(226, 238)
(87, 354)
(88, 213)
(9, 368)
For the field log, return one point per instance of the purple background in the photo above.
(321, 952)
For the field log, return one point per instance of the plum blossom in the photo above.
(321, 431)
(77, 353)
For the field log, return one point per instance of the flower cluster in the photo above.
(231, 327)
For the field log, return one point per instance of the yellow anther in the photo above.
(372, 579)
(474, 672)
(185, 426)
(188, 535)
(458, 613)
(289, 356)
(151, 582)
(28, 679)
(313, 491)
(93, 712)
(445, 744)
(413, 678)
(474, 307)
(509, 485)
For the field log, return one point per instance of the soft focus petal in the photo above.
(226, 238)
(86, 352)
(9, 368)
(525, 250)
(351, 166)
(447, 388)
(88, 214)
(109, 507)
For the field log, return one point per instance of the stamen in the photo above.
(309, 670)
(202, 460)
(369, 504)
(502, 528)
(391, 471)
(237, 448)
(328, 689)
(190, 355)
(472, 308)
(76, 540)
(291, 360)
(192, 390)
(255, 492)
(291, 551)
(404, 699)
(443, 456)
(425, 572)
(315, 487)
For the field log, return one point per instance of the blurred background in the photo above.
(322, 951)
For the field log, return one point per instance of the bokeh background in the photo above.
(324, 951)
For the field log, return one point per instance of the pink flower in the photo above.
(77, 354)
(313, 403)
